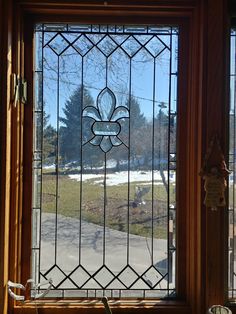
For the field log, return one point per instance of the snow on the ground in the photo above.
(49, 167)
(122, 177)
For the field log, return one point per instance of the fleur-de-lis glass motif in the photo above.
(106, 116)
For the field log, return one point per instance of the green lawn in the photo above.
(91, 201)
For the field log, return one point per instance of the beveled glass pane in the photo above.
(155, 46)
(106, 128)
(55, 27)
(232, 53)
(38, 131)
(107, 45)
(38, 95)
(39, 51)
(159, 29)
(173, 100)
(131, 46)
(79, 28)
(35, 228)
(106, 104)
(174, 49)
(82, 45)
(35, 265)
(135, 29)
(37, 188)
(58, 44)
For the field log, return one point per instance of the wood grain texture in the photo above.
(162, 308)
(214, 122)
(27, 152)
(5, 152)
(133, 3)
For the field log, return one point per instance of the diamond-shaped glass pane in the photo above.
(80, 276)
(107, 45)
(58, 44)
(104, 276)
(82, 45)
(152, 277)
(131, 46)
(128, 276)
(56, 275)
(154, 46)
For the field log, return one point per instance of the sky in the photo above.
(143, 75)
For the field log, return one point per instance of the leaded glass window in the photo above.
(104, 168)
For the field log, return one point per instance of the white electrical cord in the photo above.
(11, 285)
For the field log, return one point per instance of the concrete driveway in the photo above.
(83, 244)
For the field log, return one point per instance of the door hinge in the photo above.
(18, 89)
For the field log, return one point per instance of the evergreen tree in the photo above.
(138, 140)
(131, 134)
(161, 144)
(137, 118)
(49, 141)
(70, 131)
(163, 125)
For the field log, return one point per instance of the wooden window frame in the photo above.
(206, 111)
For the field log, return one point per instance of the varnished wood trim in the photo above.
(5, 150)
(48, 10)
(215, 122)
(114, 3)
(59, 308)
(195, 283)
